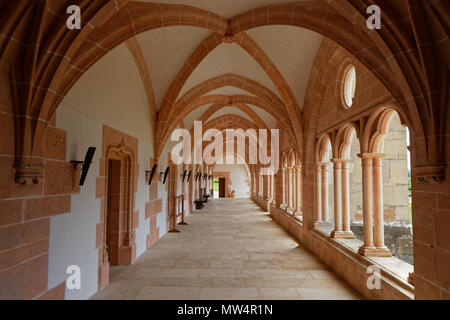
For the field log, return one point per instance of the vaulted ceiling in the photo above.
(251, 55)
(168, 50)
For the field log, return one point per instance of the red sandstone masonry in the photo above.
(119, 146)
(25, 223)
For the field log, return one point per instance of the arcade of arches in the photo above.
(362, 178)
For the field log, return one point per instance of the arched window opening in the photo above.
(325, 187)
(356, 187)
(284, 183)
(386, 193)
(396, 177)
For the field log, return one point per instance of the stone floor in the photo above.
(229, 250)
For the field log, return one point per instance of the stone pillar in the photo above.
(325, 216)
(346, 231)
(291, 206)
(298, 191)
(378, 206)
(265, 187)
(318, 187)
(367, 174)
(278, 189)
(270, 187)
(254, 180)
(337, 175)
(283, 185)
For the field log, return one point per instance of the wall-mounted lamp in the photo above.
(165, 173)
(205, 176)
(183, 175)
(189, 175)
(149, 174)
(210, 177)
(85, 164)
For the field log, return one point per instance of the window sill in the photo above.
(391, 266)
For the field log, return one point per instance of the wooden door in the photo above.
(221, 187)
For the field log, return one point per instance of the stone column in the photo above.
(378, 206)
(254, 181)
(265, 187)
(318, 187)
(270, 186)
(325, 216)
(261, 185)
(337, 175)
(346, 231)
(291, 189)
(278, 189)
(298, 191)
(283, 185)
(367, 175)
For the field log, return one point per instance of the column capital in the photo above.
(372, 155)
(325, 165)
(337, 162)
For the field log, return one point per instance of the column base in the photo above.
(298, 213)
(126, 255)
(182, 224)
(174, 230)
(103, 275)
(317, 224)
(374, 251)
(342, 235)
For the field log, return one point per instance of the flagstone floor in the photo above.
(230, 250)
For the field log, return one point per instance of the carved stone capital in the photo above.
(28, 173)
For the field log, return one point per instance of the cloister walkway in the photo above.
(229, 250)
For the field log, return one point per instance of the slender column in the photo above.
(261, 185)
(254, 181)
(283, 185)
(318, 187)
(337, 198)
(378, 206)
(270, 187)
(367, 175)
(298, 191)
(347, 233)
(325, 216)
(291, 188)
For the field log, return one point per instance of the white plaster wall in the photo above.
(73, 235)
(110, 93)
(238, 176)
(142, 196)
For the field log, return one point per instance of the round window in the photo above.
(349, 86)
